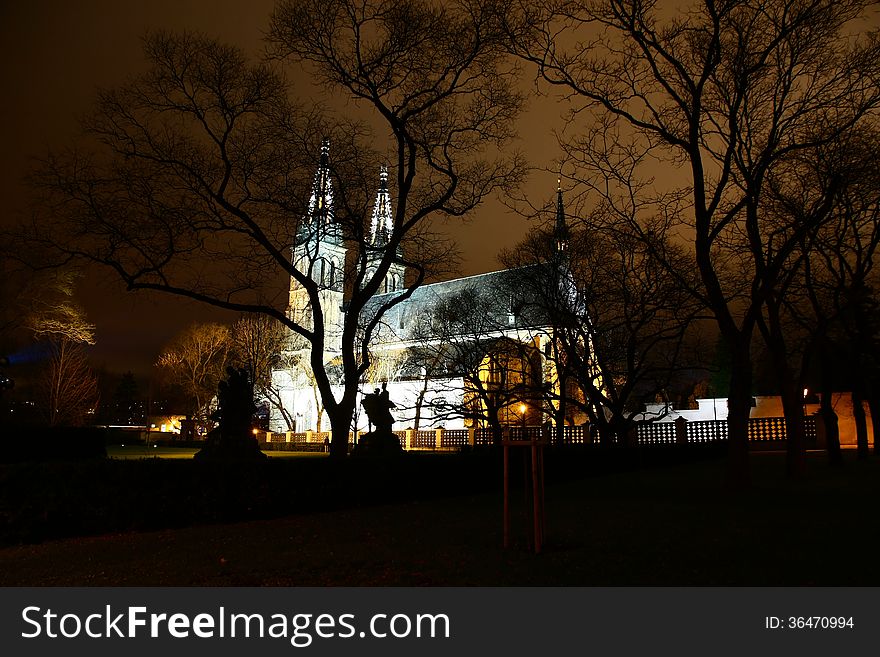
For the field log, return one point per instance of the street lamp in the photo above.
(522, 416)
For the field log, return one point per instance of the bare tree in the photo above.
(480, 367)
(196, 361)
(68, 386)
(617, 320)
(437, 78)
(811, 316)
(203, 166)
(260, 344)
(723, 93)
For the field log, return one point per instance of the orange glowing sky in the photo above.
(56, 54)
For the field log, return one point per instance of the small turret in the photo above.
(560, 231)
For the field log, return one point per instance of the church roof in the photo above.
(505, 300)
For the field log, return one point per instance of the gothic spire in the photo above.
(380, 225)
(319, 215)
(560, 232)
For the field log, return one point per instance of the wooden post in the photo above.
(536, 506)
(539, 523)
(543, 509)
(681, 430)
(506, 495)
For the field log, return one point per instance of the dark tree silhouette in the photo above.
(202, 166)
(723, 92)
(617, 320)
(815, 316)
(466, 339)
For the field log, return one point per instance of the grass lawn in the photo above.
(675, 525)
(141, 451)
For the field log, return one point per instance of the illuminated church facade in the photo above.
(428, 388)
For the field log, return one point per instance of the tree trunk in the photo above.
(340, 426)
(795, 433)
(826, 409)
(859, 417)
(497, 431)
(606, 434)
(560, 414)
(419, 401)
(874, 407)
(739, 406)
(620, 431)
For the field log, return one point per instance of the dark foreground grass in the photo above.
(672, 525)
(156, 451)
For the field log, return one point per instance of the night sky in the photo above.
(56, 54)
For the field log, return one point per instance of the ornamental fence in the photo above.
(763, 432)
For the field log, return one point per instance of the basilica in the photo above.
(455, 354)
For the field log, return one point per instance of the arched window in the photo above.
(333, 274)
(323, 272)
(394, 283)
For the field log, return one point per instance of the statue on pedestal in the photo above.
(380, 441)
(233, 438)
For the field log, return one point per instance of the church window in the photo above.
(332, 273)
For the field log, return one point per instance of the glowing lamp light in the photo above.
(522, 408)
(256, 431)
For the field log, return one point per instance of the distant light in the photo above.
(806, 392)
(522, 408)
(122, 445)
(155, 445)
(256, 431)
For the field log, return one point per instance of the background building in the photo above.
(463, 352)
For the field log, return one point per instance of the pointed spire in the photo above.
(380, 225)
(319, 215)
(560, 232)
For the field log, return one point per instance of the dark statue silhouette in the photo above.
(233, 438)
(380, 441)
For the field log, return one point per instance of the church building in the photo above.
(466, 352)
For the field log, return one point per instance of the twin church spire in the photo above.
(319, 220)
(320, 241)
